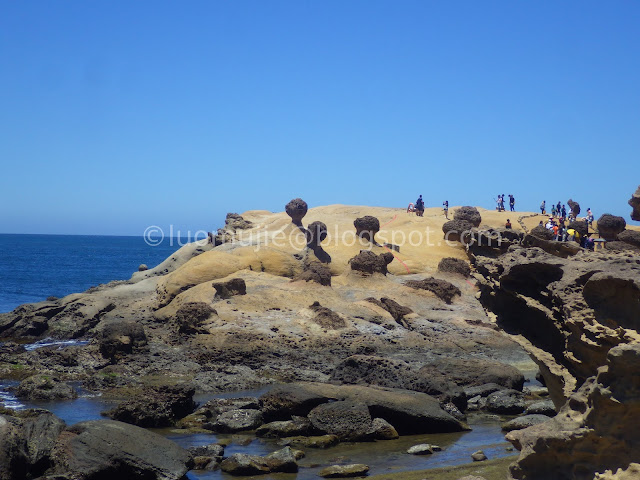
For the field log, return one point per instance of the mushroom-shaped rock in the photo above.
(579, 226)
(469, 214)
(634, 202)
(315, 272)
(574, 207)
(296, 209)
(456, 230)
(368, 262)
(367, 227)
(541, 232)
(316, 233)
(609, 226)
(454, 265)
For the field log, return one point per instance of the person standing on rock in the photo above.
(512, 203)
(564, 211)
(543, 207)
(445, 207)
(589, 218)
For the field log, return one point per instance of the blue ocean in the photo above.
(34, 267)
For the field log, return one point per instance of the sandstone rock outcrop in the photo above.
(233, 223)
(595, 432)
(367, 227)
(609, 226)
(296, 209)
(634, 203)
(468, 214)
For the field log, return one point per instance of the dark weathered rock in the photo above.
(468, 214)
(574, 207)
(212, 450)
(384, 372)
(457, 231)
(454, 265)
(483, 390)
(156, 407)
(544, 407)
(243, 464)
(109, 449)
(470, 372)
(609, 226)
(26, 443)
(368, 262)
(285, 428)
(326, 317)
(120, 337)
(314, 441)
(632, 237)
(44, 388)
(506, 402)
(206, 415)
(237, 420)
(396, 310)
(190, 317)
(284, 401)
(541, 232)
(367, 227)
(315, 272)
(344, 471)
(235, 286)
(557, 248)
(348, 420)
(316, 233)
(233, 222)
(579, 226)
(478, 456)
(634, 202)
(296, 209)
(441, 288)
(525, 421)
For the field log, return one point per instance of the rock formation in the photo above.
(367, 227)
(595, 432)
(455, 230)
(609, 226)
(368, 262)
(316, 234)
(454, 265)
(441, 288)
(574, 207)
(232, 224)
(632, 237)
(296, 209)
(634, 202)
(468, 214)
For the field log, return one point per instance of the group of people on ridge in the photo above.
(500, 202)
(418, 207)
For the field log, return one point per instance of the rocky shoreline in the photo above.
(367, 351)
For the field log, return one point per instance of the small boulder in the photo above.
(544, 407)
(314, 441)
(44, 387)
(609, 226)
(579, 226)
(142, 267)
(468, 214)
(541, 232)
(421, 449)
(238, 420)
(478, 456)
(525, 421)
(367, 227)
(285, 428)
(282, 402)
(156, 407)
(344, 471)
(235, 286)
(296, 209)
(454, 265)
(506, 402)
(369, 263)
(213, 450)
(120, 337)
(349, 420)
(441, 288)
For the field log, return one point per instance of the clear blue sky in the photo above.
(118, 115)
